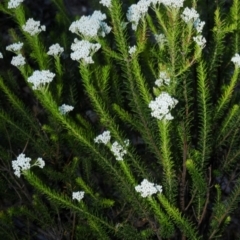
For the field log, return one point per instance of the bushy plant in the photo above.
(123, 124)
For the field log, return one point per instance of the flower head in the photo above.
(14, 3)
(173, 3)
(83, 50)
(33, 27)
(163, 79)
(160, 38)
(15, 47)
(40, 78)
(162, 105)
(106, 3)
(40, 162)
(119, 151)
(55, 50)
(200, 40)
(147, 188)
(236, 60)
(103, 138)
(132, 50)
(91, 26)
(65, 109)
(18, 60)
(189, 15)
(78, 195)
(198, 24)
(1, 56)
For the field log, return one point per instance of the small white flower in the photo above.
(189, 15)
(18, 60)
(118, 151)
(173, 3)
(198, 24)
(15, 47)
(14, 3)
(22, 163)
(40, 78)
(147, 188)
(83, 50)
(91, 26)
(160, 38)
(163, 79)
(132, 50)
(236, 60)
(103, 138)
(162, 105)
(1, 56)
(78, 195)
(200, 40)
(40, 162)
(65, 109)
(55, 50)
(33, 27)
(106, 3)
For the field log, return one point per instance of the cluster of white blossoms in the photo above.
(163, 79)
(18, 60)
(55, 50)
(236, 60)
(14, 3)
(33, 27)
(23, 163)
(103, 138)
(119, 151)
(162, 106)
(132, 50)
(15, 47)
(147, 188)
(198, 24)
(83, 50)
(160, 38)
(200, 40)
(39, 78)
(189, 15)
(1, 56)
(137, 11)
(91, 26)
(78, 195)
(65, 109)
(106, 3)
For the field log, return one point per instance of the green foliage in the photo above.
(171, 107)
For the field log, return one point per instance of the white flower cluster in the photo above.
(137, 11)
(55, 50)
(236, 60)
(198, 24)
(84, 50)
(15, 47)
(33, 27)
(189, 15)
(106, 3)
(163, 79)
(1, 56)
(78, 195)
(23, 163)
(200, 40)
(103, 138)
(14, 3)
(39, 78)
(162, 105)
(147, 188)
(91, 26)
(18, 60)
(65, 109)
(173, 3)
(118, 151)
(160, 38)
(132, 50)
